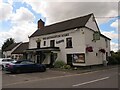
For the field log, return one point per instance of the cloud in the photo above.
(19, 33)
(5, 11)
(110, 34)
(22, 15)
(114, 46)
(59, 11)
(115, 24)
(22, 26)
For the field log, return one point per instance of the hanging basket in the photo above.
(102, 50)
(89, 49)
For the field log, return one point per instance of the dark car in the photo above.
(25, 66)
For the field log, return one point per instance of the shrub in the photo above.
(112, 60)
(66, 67)
(59, 64)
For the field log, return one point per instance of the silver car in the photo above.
(5, 61)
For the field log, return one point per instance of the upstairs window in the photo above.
(44, 44)
(52, 43)
(38, 44)
(69, 42)
(106, 41)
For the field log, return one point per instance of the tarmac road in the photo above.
(54, 79)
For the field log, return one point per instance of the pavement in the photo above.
(86, 69)
(95, 77)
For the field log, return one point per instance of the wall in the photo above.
(77, 41)
(92, 24)
(17, 56)
(8, 53)
(95, 57)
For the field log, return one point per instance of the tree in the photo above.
(114, 58)
(8, 42)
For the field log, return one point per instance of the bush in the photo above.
(66, 67)
(112, 60)
(59, 64)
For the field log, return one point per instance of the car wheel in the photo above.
(2, 67)
(17, 71)
(43, 69)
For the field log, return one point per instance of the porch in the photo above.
(45, 55)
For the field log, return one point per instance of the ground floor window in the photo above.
(79, 58)
(75, 58)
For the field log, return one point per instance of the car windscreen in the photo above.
(24, 62)
(7, 60)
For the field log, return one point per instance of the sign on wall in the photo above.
(56, 36)
(96, 36)
(79, 58)
(60, 41)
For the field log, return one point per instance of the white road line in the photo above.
(90, 81)
(21, 82)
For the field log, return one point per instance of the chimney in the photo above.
(40, 24)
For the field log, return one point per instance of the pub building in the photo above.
(77, 42)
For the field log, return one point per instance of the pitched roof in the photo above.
(105, 36)
(63, 26)
(11, 46)
(21, 48)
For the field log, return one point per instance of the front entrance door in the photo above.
(53, 57)
(69, 59)
(40, 57)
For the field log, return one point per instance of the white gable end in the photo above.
(92, 24)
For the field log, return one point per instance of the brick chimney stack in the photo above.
(40, 24)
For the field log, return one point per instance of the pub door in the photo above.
(69, 59)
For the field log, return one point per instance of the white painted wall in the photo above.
(19, 56)
(8, 53)
(91, 58)
(81, 38)
(77, 41)
(92, 24)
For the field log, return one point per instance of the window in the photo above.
(68, 42)
(106, 43)
(79, 58)
(38, 44)
(52, 43)
(44, 44)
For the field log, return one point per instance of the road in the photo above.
(96, 79)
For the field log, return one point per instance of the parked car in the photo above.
(25, 66)
(4, 61)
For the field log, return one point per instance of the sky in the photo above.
(18, 18)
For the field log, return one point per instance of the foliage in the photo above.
(66, 67)
(114, 58)
(8, 42)
(59, 64)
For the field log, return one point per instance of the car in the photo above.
(4, 61)
(22, 66)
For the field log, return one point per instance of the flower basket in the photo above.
(102, 50)
(89, 49)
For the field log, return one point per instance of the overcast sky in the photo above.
(18, 18)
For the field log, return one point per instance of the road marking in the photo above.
(91, 81)
(12, 75)
(21, 82)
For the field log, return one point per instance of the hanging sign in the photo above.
(60, 41)
(96, 36)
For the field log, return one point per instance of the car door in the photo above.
(22, 66)
(30, 66)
